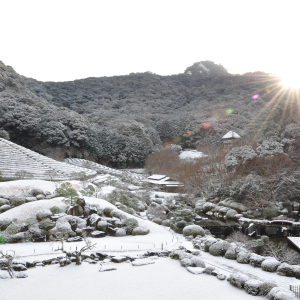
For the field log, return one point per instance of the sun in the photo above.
(291, 81)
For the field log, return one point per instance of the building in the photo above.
(230, 136)
(164, 183)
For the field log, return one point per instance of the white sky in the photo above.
(66, 40)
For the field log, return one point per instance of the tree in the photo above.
(23, 174)
(77, 254)
(70, 194)
(9, 256)
(51, 174)
(88, 191)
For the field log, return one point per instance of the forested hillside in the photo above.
(120, 120)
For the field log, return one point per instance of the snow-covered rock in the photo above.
(105, 268)
(195, 270)
(142, 262)
(21, 275)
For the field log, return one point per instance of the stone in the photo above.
(3, 276)
(19, 267)
(75, 239)
(43, 214)
(4, 208)
(111, 230)
(3, 201)
(90, 261)
(195, 270)
(40, 196)
(221, 276)
(142, 262)
(107, 268)
(98, 234)
(101, 256)
(21, 275)
(119, 259)
(93, 220)
(30, 199)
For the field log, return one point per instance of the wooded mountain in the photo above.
(120, 120)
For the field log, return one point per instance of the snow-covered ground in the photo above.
(165, 279)
(190, 154)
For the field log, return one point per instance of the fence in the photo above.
(296, 290)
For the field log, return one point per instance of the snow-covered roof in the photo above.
(156, 177)
(230, 135)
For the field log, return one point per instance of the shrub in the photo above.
(46, 224)
(243, 257)
(286, 270)
(166, 223)
(193, 230)
(141, 230)
(120, 232)
(55, 210)
(13, 228)
(117, 214)
(230, 254)
(218, 248)
(107, 211)
(238, 279)
(130, 224)
(270, 265)
(102, 225)
(266, 287)
(157, 221)
(252, 287)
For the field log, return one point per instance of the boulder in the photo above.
(208, 270)
(120, 232)
(111, 230)
(231, 214)
(221, 277)
(98, 234)
(119, 259)
(142, 262)
(93, 220)
(16, 200)
(101, 256)
(19, 267)
(105, 268)
(35, 192)
(21, 275)
(30, 199)
(252, 287)
(3, 201)
(270, 264)
(40, 196)
(4, 208)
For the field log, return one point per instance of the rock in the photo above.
(252, 287)
(75, 239)
(3, 276)
(195, 270)
(286, 270)
(3, 201)
(30, 264)
(98, 234)
(119, 259)
(111, 230)
(16, 200)
(43, 214)
(238, 279)
(40, 197)
(270, 265)
(101, 256)
(19, 267)
(21, 275)
(35, 192)
(93, 220)
(243, 257)
(221, 277)
(208, 270)
(4, 208)
(231, 213)
(142, 262)
(107, 268)
(186, 262)
(30, 199)
(215, 273)
(90, 261)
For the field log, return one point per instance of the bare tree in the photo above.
(9, 256)
(282, 253)
(23, 174)
(51, 174)
(77, 254)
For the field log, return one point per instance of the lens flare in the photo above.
(229, 111)
(189, 133)
(206, 125)
(256, 96)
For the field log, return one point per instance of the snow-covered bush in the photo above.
(208, 243)
(13, 228)
(231, 214)
(166, 222)
(4, 223)
(256, 260)
(297, 271)
(157, 221)
(230, 253)
(270, 265)
(55, 210)
(286, 270)
(197, 262)
(107, 210)
(118, 214)
(269, 147)
(252, 286)
(43, 214)
(219, 248)
(130, 224)
(157, 211)
(266, 287)
(239, 155)
(280, 293)
(193, 230)
(243, 257)
(46, 224)
(238, 279)
(186, 262)
(140, 230)
(120, 232)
